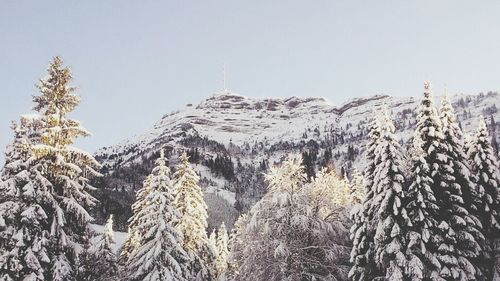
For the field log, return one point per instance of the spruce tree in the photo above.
(205, 263)
(237, 244)
(212, 248)
(193, 222)
(485, 174)
(362, 254)
(461, 194)
(423, 212)
(222, 251)
(104, 258)
(132, 241)
(387, 204)
(130, 244)
(452, 218)
(443, 242)
(23, 246)
(159, 254)
(357, 187)
(358, 228)
(212, 240)
(191, 205)
(52, 225)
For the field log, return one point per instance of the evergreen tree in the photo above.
(191, 205)
(443, 241)
(362, 254)
(132, 241)
(222, 250)
(452, 218)
(193, 223)
(205, 263)
(237, 244)
(212, 240)
(358, 237)
(62, 170)
(387, 204)
(460, 193)
(357, 187)
(485, 174)
(422, 211)
(212, 247)
(98, 261)
(20, 259)
(51, 224)
(159, 254)
(357, 230)
(130, 244)
(104, 258)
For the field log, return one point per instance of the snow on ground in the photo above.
(120, 237)
(229, 196)
(218, 182)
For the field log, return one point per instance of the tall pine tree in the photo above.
(132, 241)
(357, 187)
(389, 187)
(52, 224)
(222, 251)
(103, 258)
(193, 222)
(430, 130)
(237, 244)
(423, 213)
(159, 254)
(23, 244)
(191, 205)
(485, 174)
(362, 232)
(461, 195)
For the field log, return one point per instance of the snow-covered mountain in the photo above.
(232, 139)
(229, 118)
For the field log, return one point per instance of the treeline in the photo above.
(431, 213)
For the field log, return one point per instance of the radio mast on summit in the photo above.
(224, 78)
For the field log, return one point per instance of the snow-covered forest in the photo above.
(426, 207)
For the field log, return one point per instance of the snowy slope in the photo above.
(231, 118)
(228, 117)
(120, 237)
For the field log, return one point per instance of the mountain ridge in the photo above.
(232, 139)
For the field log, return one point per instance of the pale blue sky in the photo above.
(134, 61)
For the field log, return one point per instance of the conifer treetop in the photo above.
(108, 230)
(485, 167)
(57, 96)
(191, 206)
